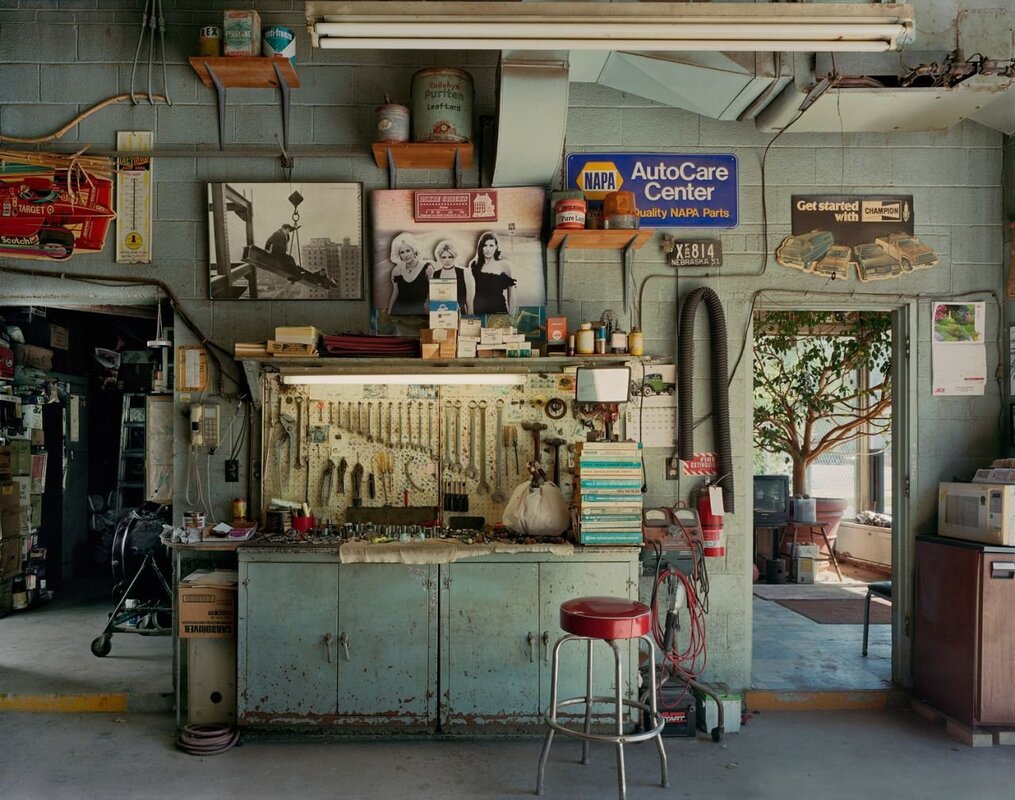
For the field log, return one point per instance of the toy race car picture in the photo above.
(41, 216)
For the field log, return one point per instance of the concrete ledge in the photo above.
(87, 703)
(768, 700)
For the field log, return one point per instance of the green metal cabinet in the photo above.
(500, 620)
(322, 644)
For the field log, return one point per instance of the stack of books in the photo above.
(295, 342)
(607, 485)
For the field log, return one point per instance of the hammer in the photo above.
(555, 442)
(534, 428)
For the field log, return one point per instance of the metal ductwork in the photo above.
(531, 118)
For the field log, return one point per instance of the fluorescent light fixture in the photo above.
(610, 26)
(400, 378)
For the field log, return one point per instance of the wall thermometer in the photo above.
(134, 198)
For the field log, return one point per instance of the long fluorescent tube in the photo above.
(398, 378)
(610, 26)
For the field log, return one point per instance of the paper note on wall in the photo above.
(650, 414)
(74, 418)
(958, 352)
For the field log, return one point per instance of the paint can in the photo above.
(239, 508)
(193, 521)
(392, 122)
(442, 105)
(210, 41)
(279, 41)
(569, 214)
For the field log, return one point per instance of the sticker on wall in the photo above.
(457, 252)
(285, 241)
(831, 233)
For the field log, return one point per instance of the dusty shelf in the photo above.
(245, 72)
(599, 239)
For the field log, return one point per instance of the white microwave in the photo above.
(979, 512)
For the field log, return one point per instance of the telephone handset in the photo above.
(204, 425)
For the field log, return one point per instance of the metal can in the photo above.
(442, 105)
(239, 508)
(210, 41)
(569, 215)
(585, 341)
(636, 342)
(279, 41)
(392, 123)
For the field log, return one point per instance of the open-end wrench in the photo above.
(458, 435)
(380, 423)
(408, 420)
(498, 495)
(483, 487)
(419, 425)
(448, 463)
(288, 423)
(401, 426)
(429, 429)
(359, 417)
(300, 417)
(370, 428)
(472, 472)
(387, 438)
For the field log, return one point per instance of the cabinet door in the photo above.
(997, 641)
(387, 671)
(490, 644)
(559, 582)
(287, 672)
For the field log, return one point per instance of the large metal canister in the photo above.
(442, 105)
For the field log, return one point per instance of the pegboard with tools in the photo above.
(460, 448)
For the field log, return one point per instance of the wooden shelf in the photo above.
(245, 72)
(423, 155)
(600, 239)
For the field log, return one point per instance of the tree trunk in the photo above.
(799, 478)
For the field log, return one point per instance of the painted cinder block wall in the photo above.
(58, 59)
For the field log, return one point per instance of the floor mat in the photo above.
(809, 591)
(840, 612)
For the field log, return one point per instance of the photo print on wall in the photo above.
(488, 241)
(285, 241)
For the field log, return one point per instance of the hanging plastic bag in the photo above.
(537, 512)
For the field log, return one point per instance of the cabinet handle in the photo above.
(546, 646)
(532, 646)
(344, 641)
(327, 638)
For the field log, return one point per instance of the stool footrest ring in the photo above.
(641, 736)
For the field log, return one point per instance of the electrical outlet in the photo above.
(232, 470)
(672, 468)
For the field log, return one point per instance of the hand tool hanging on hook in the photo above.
(554, 443)
(500, 446)
(534, 428)
(471, 472)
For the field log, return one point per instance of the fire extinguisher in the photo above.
(711, 524)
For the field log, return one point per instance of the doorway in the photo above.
(841, 371)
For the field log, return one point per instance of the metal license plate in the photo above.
(696, 253)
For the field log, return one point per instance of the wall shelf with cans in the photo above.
(455, 156)
(247, 72)
(627, 240)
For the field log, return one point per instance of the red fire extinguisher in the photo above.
(711, 523)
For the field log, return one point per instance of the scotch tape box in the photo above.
(470, 327)
(443, 290)
(491, 336)
(444, 319)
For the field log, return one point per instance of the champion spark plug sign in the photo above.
(671, 190)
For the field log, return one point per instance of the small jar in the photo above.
(618, 342)
(636, 342)
(585, 340)
(210, 41)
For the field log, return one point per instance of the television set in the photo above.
(771, 501)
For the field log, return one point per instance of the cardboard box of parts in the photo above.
(207, 604)
(438, 342)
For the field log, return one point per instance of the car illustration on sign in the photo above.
(909, 251)
(803, 251)
(835, 263)
(873, 263)
(42, 217)
(654, 384)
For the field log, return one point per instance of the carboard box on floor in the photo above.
(708, 712)
(207, 604)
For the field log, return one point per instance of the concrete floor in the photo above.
(827, 755)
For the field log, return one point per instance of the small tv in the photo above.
(771, 501)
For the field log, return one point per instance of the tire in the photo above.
(906, 265)
(101, 645)
(647, 391)
(671, 390)
(61, 243)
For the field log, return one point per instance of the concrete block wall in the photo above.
(58, 59)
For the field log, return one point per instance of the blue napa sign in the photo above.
(671, 190)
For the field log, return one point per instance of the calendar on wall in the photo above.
(650, 416)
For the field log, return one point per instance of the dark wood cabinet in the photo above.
(964, 637)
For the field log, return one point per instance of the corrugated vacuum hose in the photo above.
(720, 387)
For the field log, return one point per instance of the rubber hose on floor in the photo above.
(720, 387)
(207, 740)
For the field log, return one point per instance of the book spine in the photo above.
(610, 537)
(610, 483)
(589, 464)
(625, 498)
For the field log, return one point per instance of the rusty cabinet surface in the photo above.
(500, 619)
(322, 644)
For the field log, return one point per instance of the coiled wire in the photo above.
(207, 740)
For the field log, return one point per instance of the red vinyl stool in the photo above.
(608, 619)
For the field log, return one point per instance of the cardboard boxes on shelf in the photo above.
(207, 604)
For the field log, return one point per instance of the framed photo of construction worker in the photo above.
(285, 241)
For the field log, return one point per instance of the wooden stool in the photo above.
(812, 527)
(608, 619)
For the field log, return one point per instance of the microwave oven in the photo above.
(978, 512)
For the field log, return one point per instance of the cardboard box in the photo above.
(467, 348)
(24, 489)
(444, 290)
(35, 515)
(294, 349)
(38, 476)
(445, 340)
(470, 327)
(241, 33)
(33, 356)
(803, 570)
(556, 330)
(31, 417)
(59, 337)
(444, 319)
(10, 557)
(488, 336)
(430, 350)
(10, 510)
(21, 457)
(6, 461)
(206, 604)
(38, 438)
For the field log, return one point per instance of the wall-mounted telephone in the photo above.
(204, 425)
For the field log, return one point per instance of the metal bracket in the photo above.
(220, 92)
(284, 89)
(628, 262)
(561, 261)
(392, 170)
(456, 169)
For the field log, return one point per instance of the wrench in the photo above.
(472, 472)
(448, 463)
(419, 425)
(498, 495)
(388, 438)
(458, 435)
(408, 420)
(370, 428)
(288, 423)
(343, 465)
(300, 416)
(483, 486)
(359, 417)
(429, 429)
(401, 426)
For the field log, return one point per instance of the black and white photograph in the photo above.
(285, 241)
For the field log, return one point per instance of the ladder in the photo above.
(130, 469)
